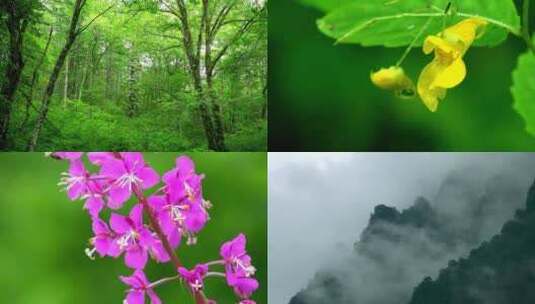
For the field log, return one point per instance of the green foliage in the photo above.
(524, 89)
(396, 23)
(249, 138)
(131, 62)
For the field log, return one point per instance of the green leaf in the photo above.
(524, 90)
(395, 23)
(326, 6)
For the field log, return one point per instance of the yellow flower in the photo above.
(393, 79)
(447, 70)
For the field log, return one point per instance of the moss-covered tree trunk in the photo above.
(16, 23)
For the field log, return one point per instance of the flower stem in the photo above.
(215, 274)
(164, 280)
(409, 48)
(218, 262)
(157, 228)
(525, 25)
(198, 296)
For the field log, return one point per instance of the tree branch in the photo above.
(83, 28)
(236, 36)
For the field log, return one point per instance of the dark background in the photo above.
(321, 98)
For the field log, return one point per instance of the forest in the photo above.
(151, 75)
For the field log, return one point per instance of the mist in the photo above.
(320, 203)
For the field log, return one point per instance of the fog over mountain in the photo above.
(370, 227)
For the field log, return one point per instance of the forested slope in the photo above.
(500, 271)
(398, 249)
(153, 75)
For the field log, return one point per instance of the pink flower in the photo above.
(125, 175)
(139, 286)
(97, 158)
(178, 218)
(247, 301)
(182, 183)
(104, 239)
(194, 278)
(238, 268)
(136, 240)
(66, 155)
(94, 205)
(76, 180)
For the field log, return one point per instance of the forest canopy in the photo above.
(152, 75)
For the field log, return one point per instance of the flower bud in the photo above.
(393, 79)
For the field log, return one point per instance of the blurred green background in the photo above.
(321, 98)
(43, 235)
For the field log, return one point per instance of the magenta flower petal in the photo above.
(103, 238)
(94, 205)
(136, 215)
(194, 277)
(137, 280)
(158, 252)
(196, 218)
(174, 238)
(119, 223)
(146, 239)
(185, 165)
(148, 176)
(99, 226)
(117, 197)
(235, 247)
(157, 202)
(135, 297)
(75, 191)
(136, 258)
(133, 160)
(67, 155)
(77, 168)
(166, 222)
(244, 287)
(114, 250)
(154, 299)
(97, 158)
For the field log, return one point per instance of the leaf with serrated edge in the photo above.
(396, 23)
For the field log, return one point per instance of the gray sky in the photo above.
(320, 202)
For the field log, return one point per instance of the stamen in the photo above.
(196, 285)
(192, 240)
(90, 253)
(125, 240)
(128, 180)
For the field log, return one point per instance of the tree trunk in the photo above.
(16, 26)
(43, 111)
(66, 82)
(35, 76)
(219, 132)
(193, 53)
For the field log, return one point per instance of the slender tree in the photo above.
(203, 59)
(18, 15)
(74, 31)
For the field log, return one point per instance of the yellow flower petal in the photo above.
(447, 70)
(450, 76)
(430, 95)
(464, 31)
(432, 43)
(391, 79)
